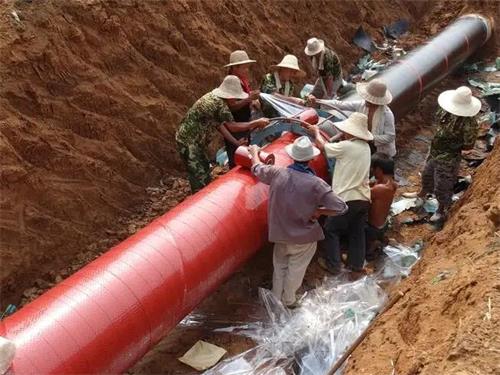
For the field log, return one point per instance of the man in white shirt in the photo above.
(351, 183)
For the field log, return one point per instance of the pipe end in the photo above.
(488, 21)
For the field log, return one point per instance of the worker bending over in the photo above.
(351, 183)
(456, 131)
(326, 64)
(239, 65)
(374, 104)
(208, 114)
(382, 194)
(296, 199)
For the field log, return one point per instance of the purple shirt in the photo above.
(293, 199)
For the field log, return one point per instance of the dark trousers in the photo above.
(231, 148)
(352, 225)
(439, 177)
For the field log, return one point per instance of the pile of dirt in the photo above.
(448, 322)
(91, 94)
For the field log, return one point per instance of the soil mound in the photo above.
(448, 321)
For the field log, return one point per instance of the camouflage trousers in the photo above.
(439, 177)
(197, 165)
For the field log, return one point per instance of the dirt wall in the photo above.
(447, 323)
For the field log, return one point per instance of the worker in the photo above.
(382, 194)
(210, 112)
(351, 183)
(297, 198)
(374, 103)
(456, 132)
(326, 64)
(280, 83)
(239, 65)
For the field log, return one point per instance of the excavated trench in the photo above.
(236, 300)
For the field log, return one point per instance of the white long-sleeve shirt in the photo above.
(383, 128)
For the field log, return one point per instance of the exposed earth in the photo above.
(91, 93)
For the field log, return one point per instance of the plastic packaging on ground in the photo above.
(309, 339)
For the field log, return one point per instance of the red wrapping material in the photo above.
(105, 317)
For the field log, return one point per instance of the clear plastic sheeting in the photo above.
(311, 338)
(284, 107)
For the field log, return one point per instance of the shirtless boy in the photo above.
(382, 194)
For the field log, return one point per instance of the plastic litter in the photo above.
(311, 338)
(431, 205)
(221, 157)
(396, 29)
(402, 259)
(403, 205)
(363, 40)
(308, 341)
(486, 88)
(7, 353)
(202, 355)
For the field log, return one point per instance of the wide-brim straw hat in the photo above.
(374, 91)
(230, 88)
(314, 46)
(289, 62)
(302, 149)
(460, 102)
(356, 125)
(239, 57)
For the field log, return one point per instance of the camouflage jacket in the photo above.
(453, 134)
(268, 85)
(331, 65)
(202, 119)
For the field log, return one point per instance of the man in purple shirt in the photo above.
(297, 197)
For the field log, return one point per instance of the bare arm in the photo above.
(318, 138)
(227, 135)
(289, 98)
(234, 126)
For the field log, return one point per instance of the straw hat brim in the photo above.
(384, 100)
(227, 95)
(445, 101)
(289, 151)
(348, 127)
(309, 52)
(299, 71)
(240, 63)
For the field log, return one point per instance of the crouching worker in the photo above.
(382, 194)
(297, 197)
(208, 114)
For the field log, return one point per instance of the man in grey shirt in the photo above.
(297, 197)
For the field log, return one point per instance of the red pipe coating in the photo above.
(106, 316)
(110, 313)
(243, 158)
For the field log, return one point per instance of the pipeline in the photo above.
(106, 316)
(410, 78)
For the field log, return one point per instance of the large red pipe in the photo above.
(110, 313)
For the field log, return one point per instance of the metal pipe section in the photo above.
(110, 313)
(106, 316)
(410, 78)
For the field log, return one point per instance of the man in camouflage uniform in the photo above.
(208, 114)
(279, 82)
(456, 131)
(327, 65)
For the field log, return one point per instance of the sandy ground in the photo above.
(91, 94)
